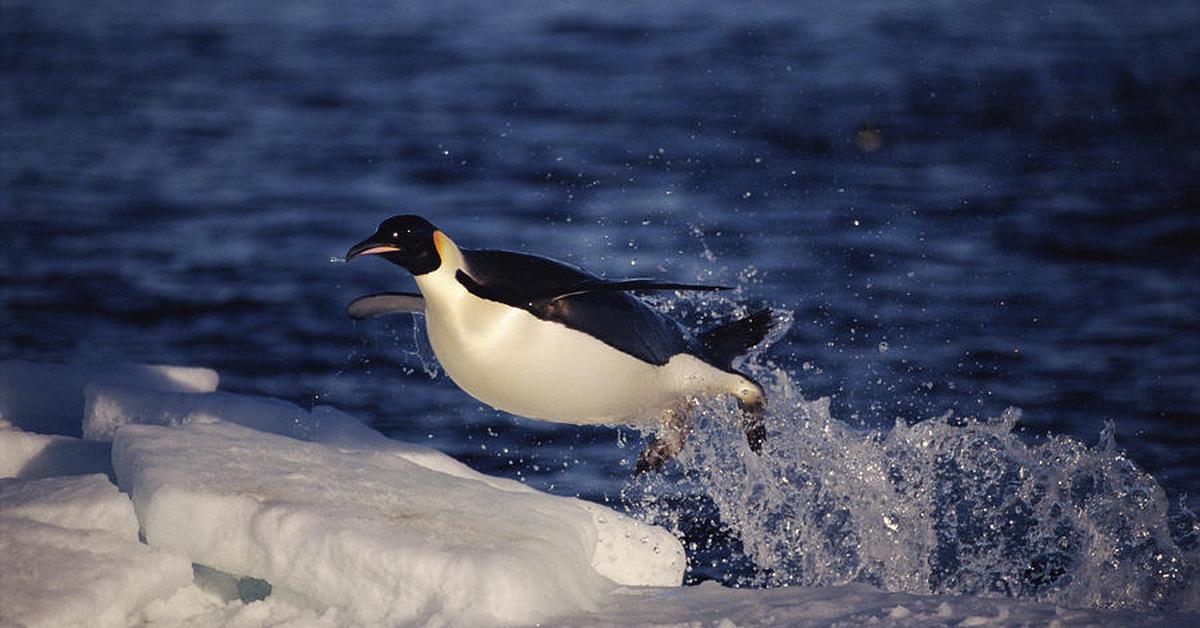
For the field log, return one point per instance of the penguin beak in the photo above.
(369, 247)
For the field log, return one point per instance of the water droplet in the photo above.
(883, 347)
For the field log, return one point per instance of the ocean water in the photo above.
(961, 208)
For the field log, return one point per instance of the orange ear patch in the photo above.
(439, 243)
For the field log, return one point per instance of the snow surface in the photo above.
(255, 513)
(29, 455)
(48, 398)
(108, 407)
(87, 502)
(70, 556)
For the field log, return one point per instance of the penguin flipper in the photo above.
(384, 303)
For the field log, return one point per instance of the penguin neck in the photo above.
(440, 286)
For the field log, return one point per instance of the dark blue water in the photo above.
(966, 206)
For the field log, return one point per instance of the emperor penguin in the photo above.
(546, 340)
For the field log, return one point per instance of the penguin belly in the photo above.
(515, 362)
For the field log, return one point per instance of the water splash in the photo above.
(409, 338)
(943, 506)
(423, 350)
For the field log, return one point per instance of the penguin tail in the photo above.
(725, 342)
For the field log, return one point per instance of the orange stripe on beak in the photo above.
(382, 248)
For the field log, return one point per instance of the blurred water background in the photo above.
(965, 206)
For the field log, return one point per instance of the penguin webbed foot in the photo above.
(665, 444)
(654, 456)
(753, 425)
(668, 442)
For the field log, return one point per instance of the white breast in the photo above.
(518, 363)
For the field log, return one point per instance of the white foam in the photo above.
(48, 398)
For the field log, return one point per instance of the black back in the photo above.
(538, 285)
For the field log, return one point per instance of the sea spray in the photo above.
(949, 505)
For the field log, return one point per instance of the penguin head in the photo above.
(406, 241)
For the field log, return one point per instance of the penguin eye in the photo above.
(395, 235)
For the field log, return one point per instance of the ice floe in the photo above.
(387, 540)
